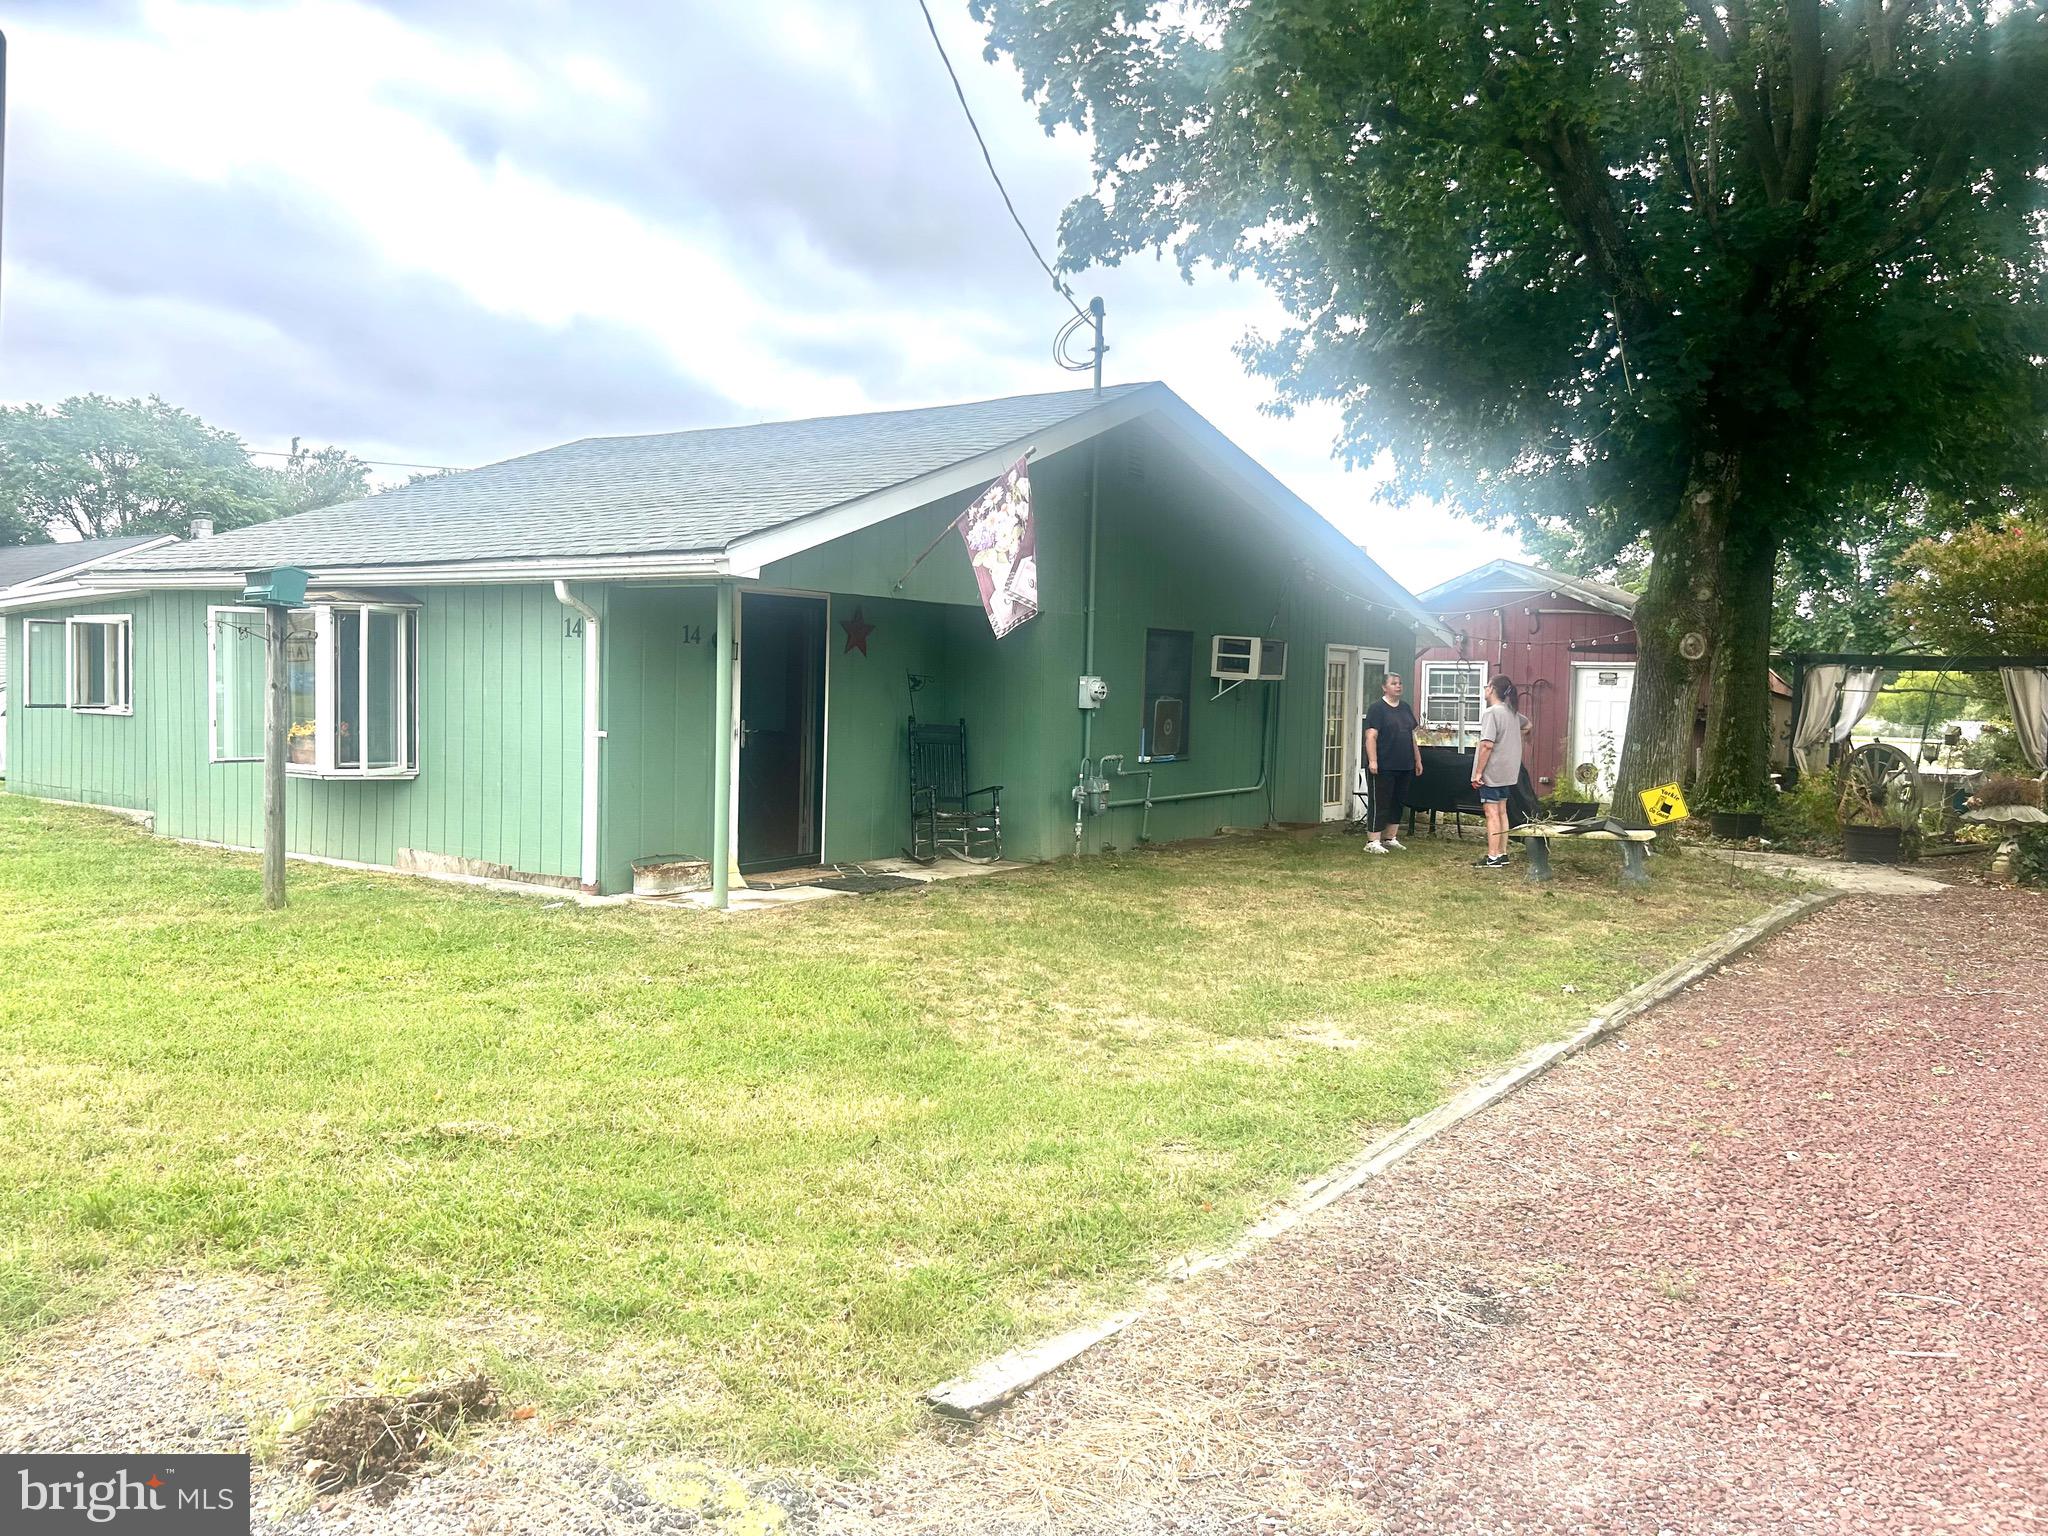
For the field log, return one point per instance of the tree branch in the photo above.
(1759, 133)
(1578, 175)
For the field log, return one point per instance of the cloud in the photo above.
(449, 231)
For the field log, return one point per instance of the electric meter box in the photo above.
(1093, 692)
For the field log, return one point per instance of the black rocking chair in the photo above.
(945, 815)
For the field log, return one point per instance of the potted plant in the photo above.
(1873, 831)
(1738, 820)
(1565, 808)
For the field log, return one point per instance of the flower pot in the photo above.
(1737, 826)
(1872, 845)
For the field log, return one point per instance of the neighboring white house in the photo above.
(38, 566)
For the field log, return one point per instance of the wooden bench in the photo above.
(1536, 836)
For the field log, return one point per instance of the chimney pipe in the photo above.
(202, 527)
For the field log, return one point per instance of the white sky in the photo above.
(451, 232)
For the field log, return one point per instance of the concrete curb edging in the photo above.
(995, 1382)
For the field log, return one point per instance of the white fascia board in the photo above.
(19, 598)
(747, 556)
(1262, 487)
(479, 572)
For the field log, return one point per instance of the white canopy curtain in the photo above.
(1858, 694)
(2026, 691)
(1819, 693)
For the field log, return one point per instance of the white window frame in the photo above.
(213, 618)
(1476, 669)
(121, 651)
(29, 697)
(325, 677)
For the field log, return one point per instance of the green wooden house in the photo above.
(530, 670)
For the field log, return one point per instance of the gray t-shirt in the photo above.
(1499, 725)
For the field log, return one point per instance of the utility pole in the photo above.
(277, 592)
(274, 618)
(1095, 314)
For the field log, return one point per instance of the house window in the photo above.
(235, 649)
(1169, 664)
(351, 690)
(101, 653)
(44, 642)
(1452, 692)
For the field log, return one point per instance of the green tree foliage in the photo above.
(1714, 274)
(99, 468)
(1983, 591)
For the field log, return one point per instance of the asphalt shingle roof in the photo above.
(665, 493)
(25, 562)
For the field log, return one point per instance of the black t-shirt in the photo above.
(1396, 725)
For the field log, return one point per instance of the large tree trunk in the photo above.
(1678, 619)
(1737, 769)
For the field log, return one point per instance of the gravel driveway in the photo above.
(1776, 1260)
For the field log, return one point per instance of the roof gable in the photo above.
(1518, 576)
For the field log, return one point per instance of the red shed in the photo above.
(1570, 645)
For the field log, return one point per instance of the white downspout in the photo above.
(593, 728)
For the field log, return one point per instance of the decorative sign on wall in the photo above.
(1003, 546)
(857, 631)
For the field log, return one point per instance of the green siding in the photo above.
(1173, 552)
(500, 777)
(658, 645)
(97, 759)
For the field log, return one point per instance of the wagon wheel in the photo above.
(1881, 769)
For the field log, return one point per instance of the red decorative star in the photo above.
(857, 631)
(155, 1481)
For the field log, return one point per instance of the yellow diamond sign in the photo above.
(1664, 805)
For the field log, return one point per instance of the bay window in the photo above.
(351, 689)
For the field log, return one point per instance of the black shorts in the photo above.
(1390, 796)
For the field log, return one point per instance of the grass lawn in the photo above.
(826, 1156)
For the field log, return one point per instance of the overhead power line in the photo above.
(1059, 283)
(283, 453)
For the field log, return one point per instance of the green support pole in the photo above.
(721, 761)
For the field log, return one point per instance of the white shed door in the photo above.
(1600, 696)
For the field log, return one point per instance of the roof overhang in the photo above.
(1528, 578)
(66, 575)
(21, 598)
(703, 565)
(746, 558)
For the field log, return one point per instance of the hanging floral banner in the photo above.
(1003, 546)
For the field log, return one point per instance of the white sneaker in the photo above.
(1395, 842)
(1374, 847)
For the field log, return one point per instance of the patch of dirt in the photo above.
(372, 1437)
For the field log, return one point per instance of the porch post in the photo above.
(721, 760)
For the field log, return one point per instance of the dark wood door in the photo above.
(782, 729)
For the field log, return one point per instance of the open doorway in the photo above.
(782, 730)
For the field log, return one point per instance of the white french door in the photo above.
(1352, 675)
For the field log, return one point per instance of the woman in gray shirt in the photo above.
(1498, 765)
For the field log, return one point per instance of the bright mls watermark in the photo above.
(159, 1495)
